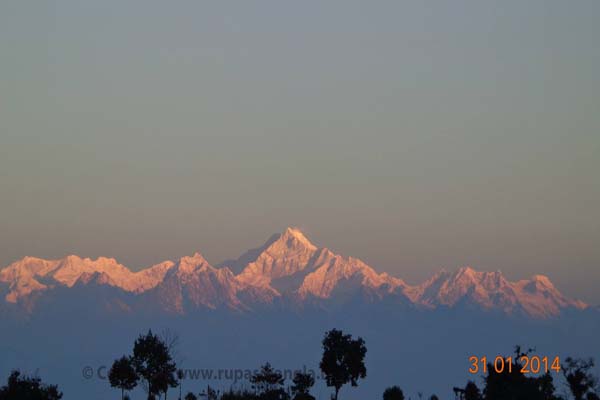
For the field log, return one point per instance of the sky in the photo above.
(414, 135)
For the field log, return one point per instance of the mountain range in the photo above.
(288, 271)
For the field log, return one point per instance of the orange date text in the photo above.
(525, 364)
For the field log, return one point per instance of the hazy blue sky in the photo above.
(412, 134)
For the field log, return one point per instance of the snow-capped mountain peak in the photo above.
(287, 266)
(294, 237)
(188, 265)
(289, 254)
(32, 275)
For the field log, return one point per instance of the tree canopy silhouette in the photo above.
(511, 383)
(239, 395)
(190, 396)
(581, 382)
(122, 375)
(393, 393)
(302, 383)
(269, 383)
(28, 388)
(153, 363)
(343, 360)
(472, 391)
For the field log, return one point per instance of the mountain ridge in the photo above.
(287, 267)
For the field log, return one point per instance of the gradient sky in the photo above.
(414, 135)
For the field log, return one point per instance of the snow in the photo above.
(290, 266)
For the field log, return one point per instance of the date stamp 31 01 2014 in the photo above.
(525, 364)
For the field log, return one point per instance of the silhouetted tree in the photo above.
(393, 393)
(580, 380)
(28, 388)
(266, 379)
(301, 387)
(191, 396)
(154, 364)
(211, 394)
(545, 386)
(472, 391)
(180, 376)
(343, 359)
(268, 383)
(239, 395)
(122, 375)
(512, 384)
